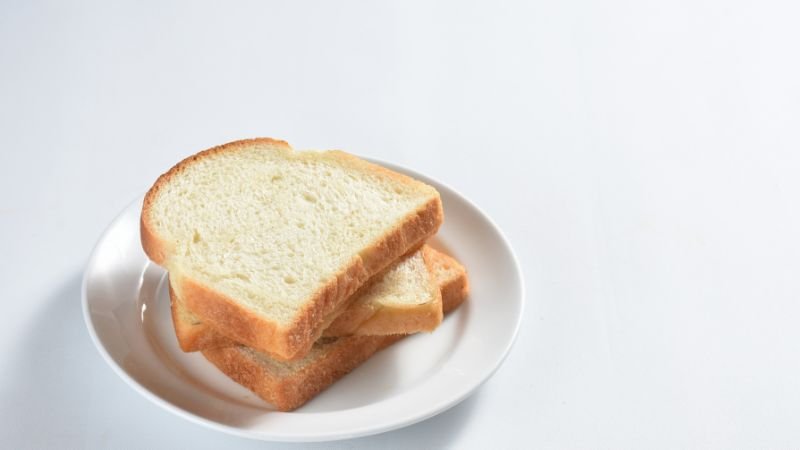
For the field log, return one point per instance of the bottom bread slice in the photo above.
(288, 385)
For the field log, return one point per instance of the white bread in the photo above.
(267, 244)
(288, 385)
(403, 299)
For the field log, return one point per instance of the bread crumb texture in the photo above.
(267, 226)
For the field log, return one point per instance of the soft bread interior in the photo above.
(267, 226)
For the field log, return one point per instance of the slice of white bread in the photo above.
(288, 385)
(403, 299)
(267, 243)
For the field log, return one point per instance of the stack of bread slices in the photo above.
(289, 269)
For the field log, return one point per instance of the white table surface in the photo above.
(643, 158)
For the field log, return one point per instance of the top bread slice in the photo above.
(403, 299)
(267, 244)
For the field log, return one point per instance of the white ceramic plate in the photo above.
(126, 307)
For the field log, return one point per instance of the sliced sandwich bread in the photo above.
(288, 385)
(267, 244)
(403, 299)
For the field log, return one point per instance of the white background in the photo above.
(643, 158)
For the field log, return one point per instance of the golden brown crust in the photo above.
(454, 293)
(290, 389)
(194, 336)
(154, 247)
(223, 314)
(295, 340)
(454, 288)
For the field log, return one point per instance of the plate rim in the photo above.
(355, 432)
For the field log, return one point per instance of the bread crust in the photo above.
(454, 293)
(290, 389)
(194, 336)
(455, 288)
(295, 340)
